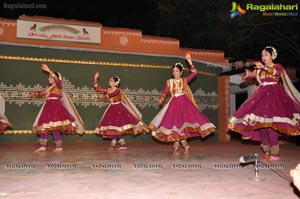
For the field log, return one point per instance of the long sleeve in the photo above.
(191, 76)
(41, 93)
(101, 90)
(34, 94)
(164, 92)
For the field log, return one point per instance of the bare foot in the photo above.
(265, 156)
(122, 148)
(57, 149)
(186, 149)
(41, 149)
(274, 158)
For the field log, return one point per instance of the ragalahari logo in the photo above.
(236, 10)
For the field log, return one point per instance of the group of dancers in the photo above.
(272, 109)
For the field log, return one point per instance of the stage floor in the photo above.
(145, 170)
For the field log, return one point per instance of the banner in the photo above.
(58, 32)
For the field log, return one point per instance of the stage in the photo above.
(145, 170)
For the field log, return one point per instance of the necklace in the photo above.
(177, 84)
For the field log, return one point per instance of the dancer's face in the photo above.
(112, 82)
(176, 73)
(266, 57)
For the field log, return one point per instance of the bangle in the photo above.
(193, 67)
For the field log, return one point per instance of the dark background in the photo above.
(201, 24)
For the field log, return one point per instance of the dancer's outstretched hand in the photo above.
(96, 76)
(101, 96)
(160, 101)
(189, 58)
(45, 67)
(32, 94)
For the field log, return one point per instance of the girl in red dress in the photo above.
(180, 118)
(121, 116)
(55, 117)
(272, 109)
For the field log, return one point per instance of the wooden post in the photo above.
(224, 107)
